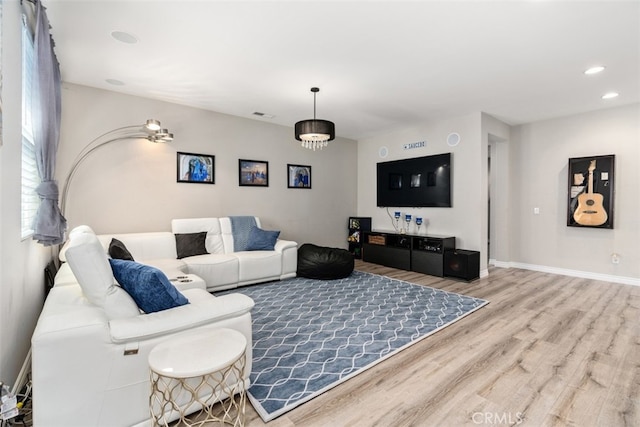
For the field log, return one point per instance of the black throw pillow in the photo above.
(191, 244)
(117, 250)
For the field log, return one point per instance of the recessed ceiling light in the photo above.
(115, 82)
(123, 37)
(594, 70)
(610, 95)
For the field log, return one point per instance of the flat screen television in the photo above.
(417, 182)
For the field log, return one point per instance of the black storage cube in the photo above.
(462, 264)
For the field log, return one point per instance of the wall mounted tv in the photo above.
(417, 182)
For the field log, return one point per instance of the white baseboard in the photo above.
(567, 272)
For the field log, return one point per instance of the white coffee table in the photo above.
(194, 372)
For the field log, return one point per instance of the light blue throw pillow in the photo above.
(262, 240)
(149, 287)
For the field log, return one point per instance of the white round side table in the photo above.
(195, 371)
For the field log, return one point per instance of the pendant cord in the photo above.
(314, 105)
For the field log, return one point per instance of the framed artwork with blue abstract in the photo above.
(254, 173)
(298, 176)
(196, 168)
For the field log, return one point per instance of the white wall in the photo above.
(131, 185)
(539, 157)
(467, 218)
(21, 262)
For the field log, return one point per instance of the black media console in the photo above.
(423, 254)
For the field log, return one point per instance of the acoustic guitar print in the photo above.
(590, 210)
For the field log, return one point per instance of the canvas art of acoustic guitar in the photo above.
(590, 210)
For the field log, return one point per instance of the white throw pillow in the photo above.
(90, 265)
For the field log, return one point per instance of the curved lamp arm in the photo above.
(150, 131)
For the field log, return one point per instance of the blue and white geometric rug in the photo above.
(311, 335)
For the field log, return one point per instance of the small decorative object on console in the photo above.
(407, 219)
(396, 215)
(418, 223)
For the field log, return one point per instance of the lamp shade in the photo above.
(315, 134)
(315, 130)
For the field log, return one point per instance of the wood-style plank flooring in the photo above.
(548, 350)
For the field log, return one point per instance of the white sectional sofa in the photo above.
(91, 342)
(222, 268)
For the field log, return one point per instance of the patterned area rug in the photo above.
(311, 335)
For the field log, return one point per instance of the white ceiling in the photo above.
(380, 65)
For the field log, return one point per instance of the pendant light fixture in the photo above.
(315, 134)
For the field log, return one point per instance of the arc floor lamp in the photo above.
(151, 131)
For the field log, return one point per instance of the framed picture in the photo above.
(591, 191)
(196, 168)
(298, 176)
(253, 173)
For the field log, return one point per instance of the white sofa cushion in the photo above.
(217, 270)
(90, 265)
(259, 266)
(171, 267)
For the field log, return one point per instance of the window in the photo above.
(30, 178)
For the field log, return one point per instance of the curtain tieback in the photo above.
(48, 190)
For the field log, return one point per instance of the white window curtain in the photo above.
(50, 225)
(30, 178)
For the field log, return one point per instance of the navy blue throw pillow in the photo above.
(262, 240)
(149, 287)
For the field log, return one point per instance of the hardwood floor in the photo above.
(547, 351)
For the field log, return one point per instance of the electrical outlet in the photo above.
(615, 258)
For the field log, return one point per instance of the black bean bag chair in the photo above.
(318, 262)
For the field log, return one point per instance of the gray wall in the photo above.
(131, 185)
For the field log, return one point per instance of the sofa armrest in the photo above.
(281, 245)
(200, 311)
(289, 251)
